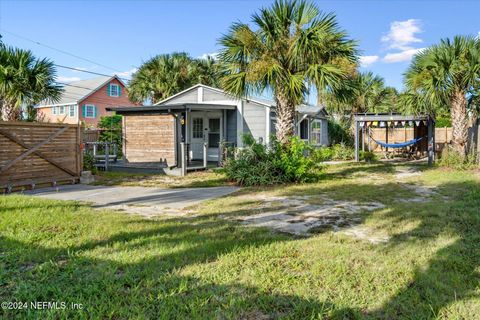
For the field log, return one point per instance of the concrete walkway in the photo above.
(148, 202)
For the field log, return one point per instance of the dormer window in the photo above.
(114, 90)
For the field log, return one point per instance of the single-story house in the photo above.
(202, 116)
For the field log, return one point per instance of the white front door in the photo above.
(197, 135)
(206, 127)
(213, 139)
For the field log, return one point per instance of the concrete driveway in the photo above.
(148, 202)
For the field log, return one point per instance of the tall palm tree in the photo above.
(24, 82)
(167, 74)
(447, 74)
(294, 45)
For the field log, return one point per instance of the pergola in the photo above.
(363, 120)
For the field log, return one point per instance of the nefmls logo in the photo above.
(41, 305)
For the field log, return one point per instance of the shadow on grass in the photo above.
(119, 285)
(452, 275)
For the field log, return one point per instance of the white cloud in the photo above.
(365, 61)
(213, 55)
(402, 34)
(404, 55)
(67, 79)
(127, 73)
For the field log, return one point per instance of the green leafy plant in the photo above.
(258, 164)
(339, 133)
(368, 156)
(451, 158)
(89, 162)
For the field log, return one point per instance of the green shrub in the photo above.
(339, 132)
(337, 152)
(89, 162)
(257, 164)
(368, 156)
(452, 159)
(343, 152)
(323, 154)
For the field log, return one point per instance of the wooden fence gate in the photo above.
(32, 154)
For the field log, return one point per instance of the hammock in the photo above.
(398, 145)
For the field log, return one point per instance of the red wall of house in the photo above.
(102, 100)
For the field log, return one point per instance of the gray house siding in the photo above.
(231, 126)
(254, 121)
(187, 97)
(211, 95)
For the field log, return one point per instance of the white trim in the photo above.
(86, 109)
(55, 105)
(240, 123)
(299, 129)
(100, 86)
(213, 89)
(110, 90)
(74, 110)
(267, 125)
(200, 95)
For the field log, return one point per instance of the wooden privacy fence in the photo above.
(443, 136)
(38, 153)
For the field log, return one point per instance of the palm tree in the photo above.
(360, 93)
(24, 82)
(293, 47)
(447, 75)
(167, 74)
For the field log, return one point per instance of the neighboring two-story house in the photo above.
(86, 101)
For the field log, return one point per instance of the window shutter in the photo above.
(119, 91)
(108, 90)
(83, 111)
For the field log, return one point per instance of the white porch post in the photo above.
(239, 123)
(267, 125)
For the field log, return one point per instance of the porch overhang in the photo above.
(172, 108)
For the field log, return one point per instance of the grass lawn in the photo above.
(209, 178)
(208, 267)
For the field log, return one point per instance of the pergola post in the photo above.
(430, 141)
(183, 163)
(357, 144)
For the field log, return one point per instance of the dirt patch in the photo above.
(406, 172)
(295, 215)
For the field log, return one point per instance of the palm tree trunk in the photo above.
(285, 127)
(459, 122)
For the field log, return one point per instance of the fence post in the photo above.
(183, 159)
(205, 155)
(357, 157)
(107, 151)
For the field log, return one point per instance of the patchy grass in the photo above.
(205, 266)
(198, 179)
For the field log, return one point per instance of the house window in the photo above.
(114, 90)
(71, 111)
(304, 129)
(89, 111)
(317, 132)
(61, 110)
(197, 128)
(54, 110)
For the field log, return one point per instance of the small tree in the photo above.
(112, 129)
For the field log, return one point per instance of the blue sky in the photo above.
(122, 34)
